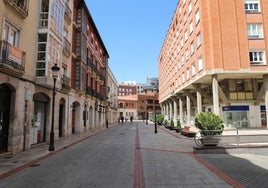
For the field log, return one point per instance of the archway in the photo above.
(38, 129)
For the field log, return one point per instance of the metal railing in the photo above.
(233, 137)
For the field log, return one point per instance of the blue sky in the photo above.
(133, 33)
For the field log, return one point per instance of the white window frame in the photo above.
(192, 47)
(250, 6)
(193, 69)
(197, 17)
(200, 63)
(198, 39)
(257, 57)
(255, 30)
(11, 36)
(191, 25)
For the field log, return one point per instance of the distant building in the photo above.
(125, 89)
(127, 106)
(139, 88)
(151, 84)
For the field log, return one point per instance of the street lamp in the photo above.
(146, 112)
(155, 125)
(55, 70)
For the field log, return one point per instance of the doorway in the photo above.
(5, 98)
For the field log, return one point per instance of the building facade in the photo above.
(34, 37)
(214, 58)
(112, 88)
(127, 107)
(125, 89)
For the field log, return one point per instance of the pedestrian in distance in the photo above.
(107, 124)
(131, 119)
(122, 119)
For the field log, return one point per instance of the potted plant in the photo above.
(165, 123)
(172, 127)
(178, 126)
(211, 127)
(159, 119)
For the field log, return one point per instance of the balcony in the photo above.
(43, 21)
(65, 82)
(21, 6)
(66, 47)
(12, 59)
(68, 13)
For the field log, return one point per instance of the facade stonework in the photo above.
(34, 37)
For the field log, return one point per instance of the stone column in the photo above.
(215, 93)
(265, 82)
(181, 110)
(170, 109)
(175, 111)
(199, 99)
(188, 105)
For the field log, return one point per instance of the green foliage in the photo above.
(178, 124)
(165, 122)
(160, 119)
(172, 123)
(208, 121)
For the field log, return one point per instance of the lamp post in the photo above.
(155, 125)
(146, 113)
(55, 70)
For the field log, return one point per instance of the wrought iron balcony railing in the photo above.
(12, 59)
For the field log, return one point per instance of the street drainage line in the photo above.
(139, 180)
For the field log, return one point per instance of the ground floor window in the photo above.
(236, 116)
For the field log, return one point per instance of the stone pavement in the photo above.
(182, 168)
(12, 163)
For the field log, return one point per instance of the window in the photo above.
(187, 54)
(197, 17)
(191, 27)
(252, 6)
(198, 39)
(183, 78)
(257, 57)
(185, 17)
(182, 59)
(200, 63)
(190, 8)
(11, 34)
(193, 69)
(185, 35)
(192, 47)
(255, 30)
(187, 73)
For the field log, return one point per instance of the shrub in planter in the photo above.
(159, 119)
(172, 127)
(209, 123)
(178, 126)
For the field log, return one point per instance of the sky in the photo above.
(133, 32)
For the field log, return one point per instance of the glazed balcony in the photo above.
(43, 21)
(66, 47)
(12, 59)
(68, 13)
(21, 6)
(65, 82)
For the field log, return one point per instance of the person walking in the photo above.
(131, 119)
